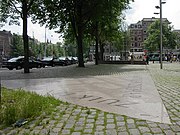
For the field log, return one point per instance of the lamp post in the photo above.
(161, 33)
(161, 66)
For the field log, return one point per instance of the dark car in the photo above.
(59, 62)
(65, 60)
(51, 61)
(48, 61)
(73, 60)
(18, 63)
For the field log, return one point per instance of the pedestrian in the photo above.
(132, 59)
(147, 60)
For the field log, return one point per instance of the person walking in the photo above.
(147, 60)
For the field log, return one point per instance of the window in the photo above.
(132, 44)
(139, 26)
(135, 44)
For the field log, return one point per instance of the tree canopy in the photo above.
(15, 9)
(152, 43)
(78, 14)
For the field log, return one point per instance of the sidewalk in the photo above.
(70, 118)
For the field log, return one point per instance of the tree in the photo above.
(17, 46)
(15, 9)
(75, 14)
(152, 43)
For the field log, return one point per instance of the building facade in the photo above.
(5, 43)
(138, 33)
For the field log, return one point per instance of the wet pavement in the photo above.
(140, 95)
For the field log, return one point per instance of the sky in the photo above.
(139, 9)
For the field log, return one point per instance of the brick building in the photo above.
(138, 33)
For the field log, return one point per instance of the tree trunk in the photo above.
(96, 48)
(101, 50)
(80, 36)
(25, 37)
(80, 47)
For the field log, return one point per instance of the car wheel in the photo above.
(18, 67)
(38, 66)
(10, 68)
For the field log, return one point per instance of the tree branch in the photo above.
(30, 4)
(11, 2)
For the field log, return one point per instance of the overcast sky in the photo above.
(139, 9)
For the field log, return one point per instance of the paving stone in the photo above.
(110, 126)
(101, 114)
(147, 133)
(56, 130)
(123, 133)
(99, 128)
(90, 120)
(88, 130)
(122, 129)
(100, 122)
(156, 130)
(59, 125)
(110, 120)
(141, 123)
(83, 114)
(152, 125)
(110, 116)
(130, 121)
(175, 128)
(68, 126)
(169, 132)
(119, 118)
(53, 133)
(35, 132)
(164, 126)
(78, 128)
(144, 129)
(131, 126)
(99, 133)
(89, 126)
(121, 123)
(65, 132)
(76, 133)
(44, 131)
(134, 132)
(111, 132)
(91, 116)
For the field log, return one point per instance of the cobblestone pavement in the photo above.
(71, 119)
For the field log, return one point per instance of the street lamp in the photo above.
(160, 7)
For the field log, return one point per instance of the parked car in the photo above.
(51, 61)
(73, 60)
(65, 60)
(48, 61)
(59, 62)
(18, 63)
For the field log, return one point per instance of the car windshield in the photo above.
(62, 58)
(47, 58)
(14, 59)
